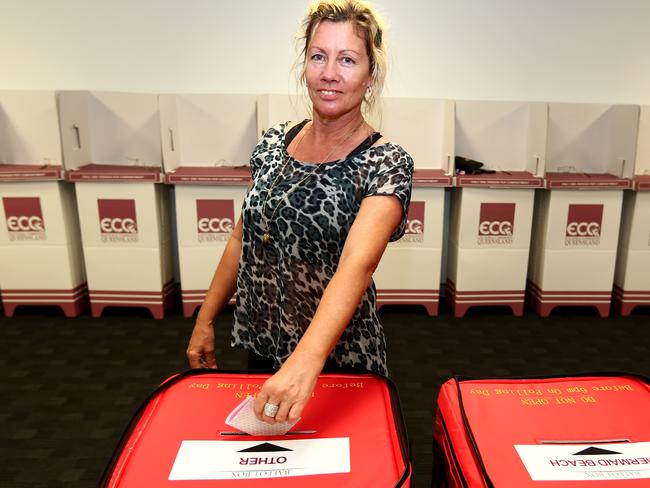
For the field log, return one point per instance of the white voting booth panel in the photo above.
(205, 219)
(207, 130)
(488, 251)
(590, 154)
(29, 132)
(574, 249)
(127, 245)
(40, 247)
(41, 262)
(273, 108)
(490, 220)
(112, 149)
(120, 130)
(207, 143)
(410, 269)
(632, 276)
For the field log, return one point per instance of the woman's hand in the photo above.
(200, 351)
(290, 388)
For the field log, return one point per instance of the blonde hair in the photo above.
(369, 26)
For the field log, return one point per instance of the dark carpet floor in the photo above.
(69, 386)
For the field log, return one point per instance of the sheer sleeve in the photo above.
(269, 141)
(393, 176)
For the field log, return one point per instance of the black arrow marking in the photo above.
(265, 447)
(595, 451)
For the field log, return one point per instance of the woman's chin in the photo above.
(332, 110)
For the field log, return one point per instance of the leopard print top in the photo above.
(280, 282)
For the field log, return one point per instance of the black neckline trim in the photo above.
(367, 143)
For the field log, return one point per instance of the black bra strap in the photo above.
(366, 143)
(293, 132)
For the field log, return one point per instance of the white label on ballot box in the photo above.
(583, 462)
(220, 460)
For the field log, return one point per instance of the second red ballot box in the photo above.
(586, 431)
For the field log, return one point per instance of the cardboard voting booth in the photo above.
(112, 150)
(410, 269)
(589, 162)
(491, 213)
(207, 142)
(41, 262)
(632, 275)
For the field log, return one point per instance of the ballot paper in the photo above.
(243, 418)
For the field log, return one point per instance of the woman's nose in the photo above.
(330, 71)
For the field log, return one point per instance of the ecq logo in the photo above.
(584, 220)
(23, 214)
(496, 219)
(215, 216)
(415, 218)
(215, 219)
(117, 217)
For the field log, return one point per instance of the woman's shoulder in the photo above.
(385, 151)
(268, 145)
(276, 134)
(275, 131)
(283, 128)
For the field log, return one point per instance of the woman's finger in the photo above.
(270, 409)
(194, 358)
(296, 411)
(208, 361)
(208, 358)
(283, 411)
(258, 404)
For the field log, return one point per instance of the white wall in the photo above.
(547, 50)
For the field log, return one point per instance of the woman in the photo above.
(327, 196)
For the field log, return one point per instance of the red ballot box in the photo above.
(351, 435)
(552, 432)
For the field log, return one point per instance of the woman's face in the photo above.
(337, 70)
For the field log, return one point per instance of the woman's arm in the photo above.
(292, 386)
(200, 351)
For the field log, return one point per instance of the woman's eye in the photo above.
(347, 60)
(317, 57)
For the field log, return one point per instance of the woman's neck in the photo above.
(328, 129)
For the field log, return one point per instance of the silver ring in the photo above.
(271, 410)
